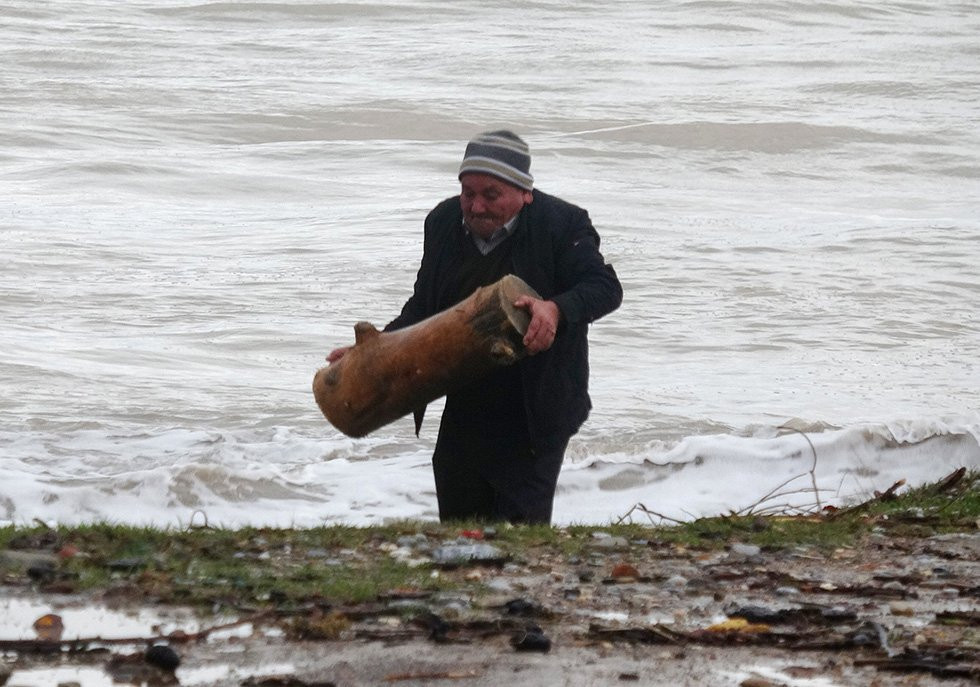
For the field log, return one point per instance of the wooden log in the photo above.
(387, 375)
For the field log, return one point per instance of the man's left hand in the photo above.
(544, 323)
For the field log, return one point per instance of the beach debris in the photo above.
(319, 625)
(433, 675)
(651, 634)
(941, 662)
(525, 608)
(42, 571)
(759, 681)
(625, 572)
(737, 625)
(436, 627)
(970, 618)
(163, 657)
(795, 615)
(532, 638)
(126, 564)
(68, 551)
(456, 554)
(604, 540)
(744, 551)
(283, 681)
(49, 627)
(136, 669)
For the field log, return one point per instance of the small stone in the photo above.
(49, 627)
(787, 591)
(42, 571)
(756, 681)
(676, 582)
(625, 571)
(901, 608)
(500, 585)
(532, 639)
(612, 543)
(162, 657)
(745, 550)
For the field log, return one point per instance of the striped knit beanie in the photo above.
(502, 154)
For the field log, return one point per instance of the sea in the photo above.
(198, 201)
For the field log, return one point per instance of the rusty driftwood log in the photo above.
(387, 375)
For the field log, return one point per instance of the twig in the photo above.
(205, 525)
(447, 675)
(771, 494)
(813, 468)
(646, 511)
(951, 480)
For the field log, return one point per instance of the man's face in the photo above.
(488, 202)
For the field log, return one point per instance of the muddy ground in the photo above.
(887, 610)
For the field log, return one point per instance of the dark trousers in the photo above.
(485, 468)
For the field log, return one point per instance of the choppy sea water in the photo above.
(199, 200)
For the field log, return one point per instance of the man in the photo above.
(502, 439)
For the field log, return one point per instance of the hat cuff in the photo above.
(485, 165)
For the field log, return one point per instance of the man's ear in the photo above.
(528, 197)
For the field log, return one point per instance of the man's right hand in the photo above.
(337, 353)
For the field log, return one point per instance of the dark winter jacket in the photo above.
(556, 251)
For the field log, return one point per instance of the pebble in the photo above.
(625, 571)
(901, 608)
(500, 584)
(414, 541)
(163, 657)
(745, 550)
(531, 640)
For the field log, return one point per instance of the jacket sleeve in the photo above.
(588, 287)
(420, 303)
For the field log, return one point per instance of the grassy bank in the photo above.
(263, 568)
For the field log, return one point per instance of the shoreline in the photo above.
(888, 589)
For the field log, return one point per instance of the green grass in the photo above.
(259, 567)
